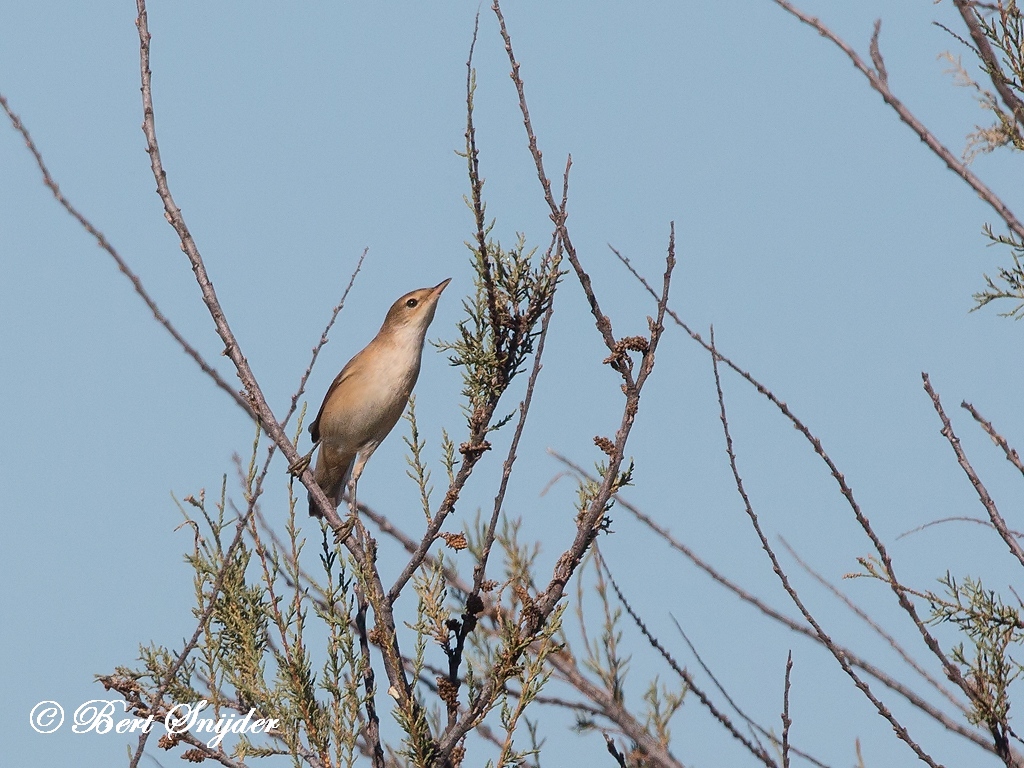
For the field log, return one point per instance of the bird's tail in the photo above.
(331, 473)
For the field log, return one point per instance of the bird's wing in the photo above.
(314, 428)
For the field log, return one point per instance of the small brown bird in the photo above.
(369, 395)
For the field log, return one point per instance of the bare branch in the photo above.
(954, 519)
(323, 339)
(1011, 454)
(681, 671)
(876, 55)
(991, 61)
(476, 184)
(553, 256)
(122, 265)
(880, 84)
(655, 753)
(861, 663)
(251, 389)
(879, 630)
(367, 570)
(752, 723)
(884, 711)
(951, 670)
(589, 521)
(786, 721)
(979, 487)
(604, 325)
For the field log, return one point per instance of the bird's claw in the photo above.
(300, 465)
(343, 533)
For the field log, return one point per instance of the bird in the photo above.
(367, 398)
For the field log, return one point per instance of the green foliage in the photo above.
(418, 471)
(589, 490)
(511, 294)
(297, 647)
(253, 651)
(992, 629)
(603, 656)
(497, 334)
(662, 703)
(344, 667)
(1008, 282)
(1004, 32)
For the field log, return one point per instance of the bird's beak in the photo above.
(436, 290)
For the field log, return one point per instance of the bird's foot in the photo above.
(301, 464)
(340, 534)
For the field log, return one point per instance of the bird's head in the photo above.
(413, 313)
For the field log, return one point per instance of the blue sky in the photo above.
(833, 253)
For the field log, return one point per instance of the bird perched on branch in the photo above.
(369, 395)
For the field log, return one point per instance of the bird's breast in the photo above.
(371, 397)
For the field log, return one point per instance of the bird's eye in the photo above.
(411, 303)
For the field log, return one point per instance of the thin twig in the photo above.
(476, 184)
(1011, 453)
(879, 630)
(479, 421)
(880, 84)
(589, 522)
(654, 752)
(323, 339)
(951, 670)
(861, 685)
(715, 681)
(857, 661)
(253, 393)
(122, 265)
(876, 54)
(786, 721)
(983, 496)
(552, 258)
(684, 674)
(604, 325)
(954, 519)
(480, 570)
(991, 61)
(746, 718)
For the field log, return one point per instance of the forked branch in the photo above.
(878, 79)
